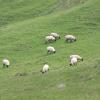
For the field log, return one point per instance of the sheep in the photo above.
(51, 50)
(56, 35)
(49, 39)
(45, 68)
(73, 61)
(6, 63)
(76, 56)
(70, 38)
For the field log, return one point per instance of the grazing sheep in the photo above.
(6, 63)
(49, 39)
(45, 68)
(56, 35)
(70, 38)
(51, 49)
(76, 56)
(73, 61)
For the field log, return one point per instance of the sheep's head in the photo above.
(59, 37)
(82, 59)
(75, 39)
(54, 51)
(70, 64)
(42, 72)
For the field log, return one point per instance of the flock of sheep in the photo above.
(54, 37)
(51, 38)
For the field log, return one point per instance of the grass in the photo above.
(23, 26)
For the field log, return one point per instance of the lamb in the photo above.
(49, 39)
(45, 68)
(56, 35)
(70, 38)
(73, 61)
(76, 56)
(51, 50)
(6, 63)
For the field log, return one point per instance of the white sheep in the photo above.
(51, 49)
(76, 56)
(56, 35)
(73, 61)
(6, 63)
(70, 38)
(45, 68)
(49, 39)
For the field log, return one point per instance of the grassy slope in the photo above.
(12, 10)
(22, 41)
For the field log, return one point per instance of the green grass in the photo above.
(23, 26)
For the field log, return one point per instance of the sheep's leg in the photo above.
(50, 41)
(47, 71)
(3, 65)
(75, 64)
(7, 66)
(69, 41)
(47, 52)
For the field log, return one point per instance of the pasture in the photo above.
(23, 27)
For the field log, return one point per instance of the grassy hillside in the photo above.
(23, 26)
(12, 10)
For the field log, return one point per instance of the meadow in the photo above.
(23, 27)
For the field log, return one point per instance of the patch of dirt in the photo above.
(21, 74)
